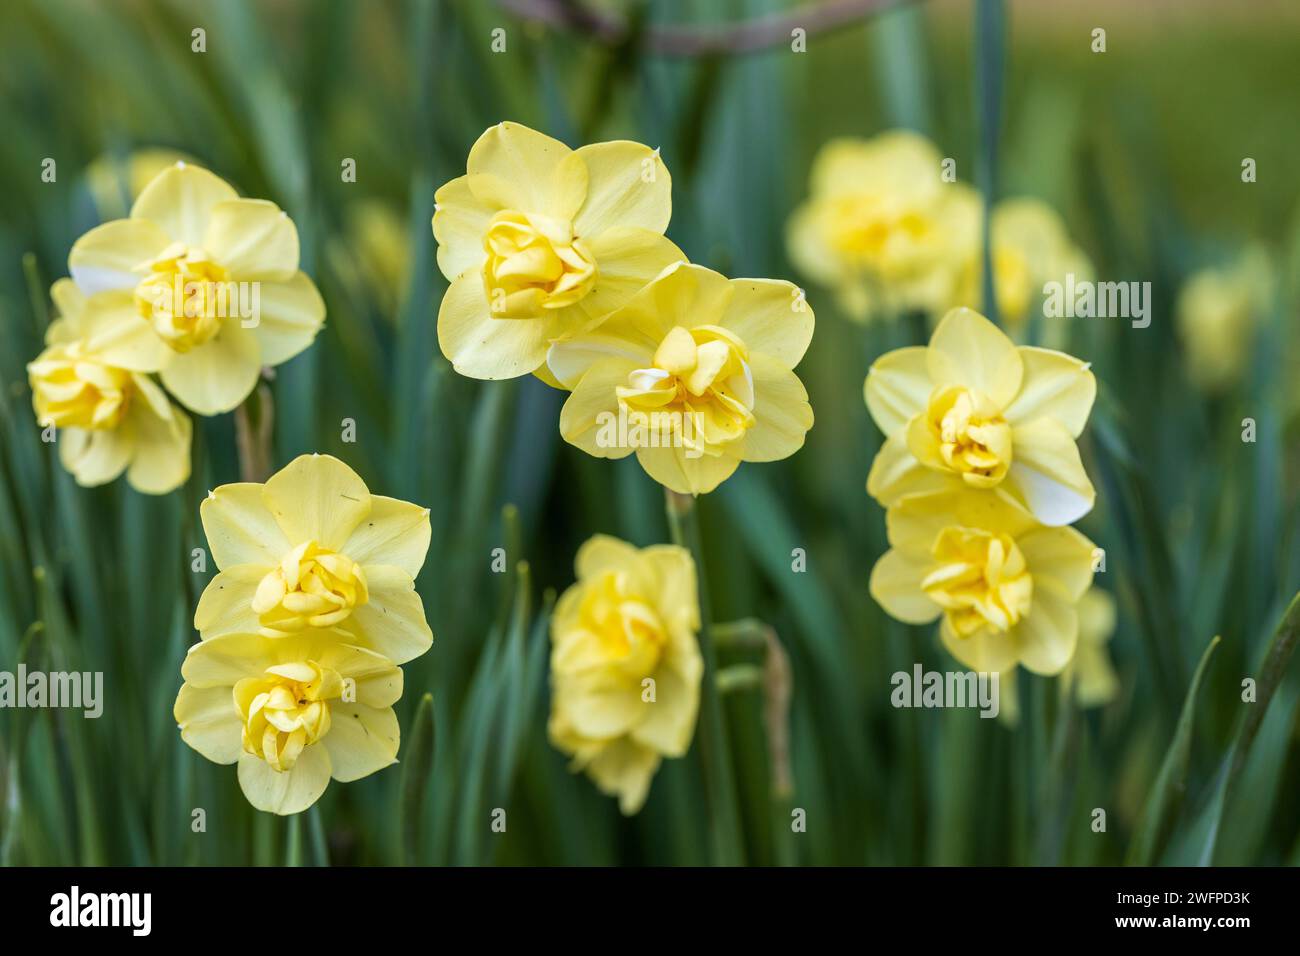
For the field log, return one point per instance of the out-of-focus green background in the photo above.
(1140, 149)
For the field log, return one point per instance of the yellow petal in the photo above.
(770, 316)
(568, 361)
(459, 225)
(1047, 473)
(675, 583)
(219, 374)
(590, 416)
(361, 740)
(896, 586)
(291, 313)
(95, 457)
(986, 651)
(209, 722)
(915, 522)
(392, 622)
(1097, 615)
(240, 527)
(225, 606)
(624, 769)
(317, 498)
(181, 199)
(627, 259)
(108, 256)
(254, 239)
(601, 704)
(160, 460)
(895, 472)
(807, 247)
(603, 552)
(782, 415)
(668, 724)
(514, 167)
(627, 185)
(967, 349)
(112, 329)
(686, 476)
(481, 346)
(898, 387)
(1055, 385)
(68, 300)
(395, 532)
(226, 659)
(1060, 560)
(1047, 635)
(285, 791)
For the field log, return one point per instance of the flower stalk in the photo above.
(724, 823)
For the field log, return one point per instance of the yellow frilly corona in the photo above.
(973, 410)
(91, 384)
(313, 548)
(540, 241)
(694, 374)
(215, 276)
(625, 664)
(1004, 587)
(293, 712)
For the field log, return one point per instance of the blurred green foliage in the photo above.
(1140, 149)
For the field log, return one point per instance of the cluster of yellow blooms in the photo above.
(559, 267)
(197, 286)
(886, 229)
(981, 478)
(303, 630)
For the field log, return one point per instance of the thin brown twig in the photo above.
(681, 40)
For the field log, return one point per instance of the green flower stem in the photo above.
(724, 824)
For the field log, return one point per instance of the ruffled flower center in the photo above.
(628, 632)
(698, 393)
(534, 263)
(311, 587)
(868, 229)
(286, 710)
(974, 439)
(185, 294)
(981, 580)
(73, 389)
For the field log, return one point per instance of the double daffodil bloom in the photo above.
(973, 410)
(1217, 312)
(215, 276)
(1005, 587)
(540, 241)
(1031, 247)
(875, 225)
(90, 384)
(694, 374)
(313, 548)
(292, 712)
(625, 664)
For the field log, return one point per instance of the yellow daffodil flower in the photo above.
(1031, 247)
(973, 410)
(874, 226)
(625, 664)
(1005, 587)
(313, 548)
(216, 277)
(540, 241)
(1217, 312)
(89, 383)
(292, 712)
(694, 374)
